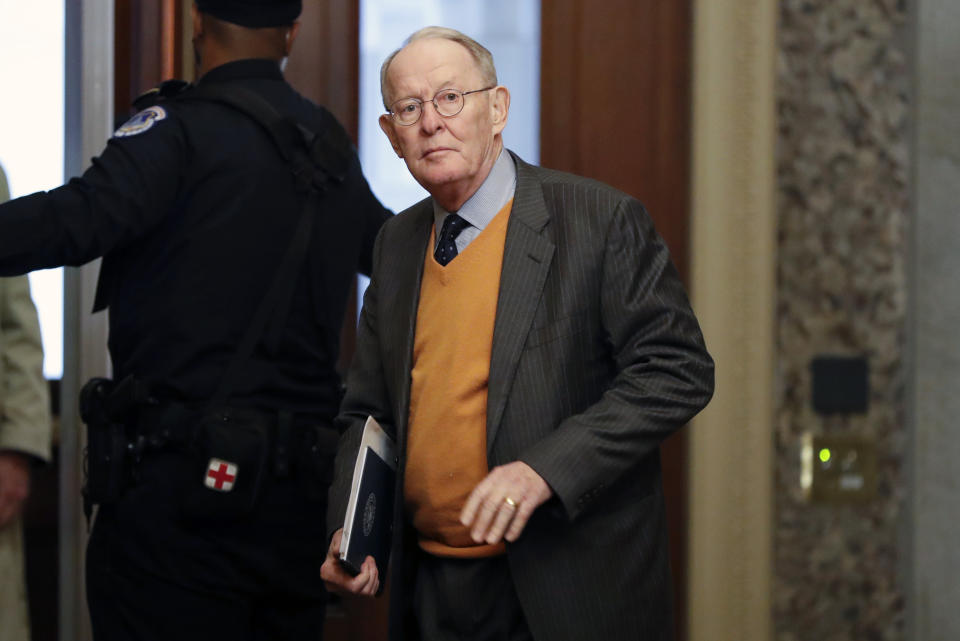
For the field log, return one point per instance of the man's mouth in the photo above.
(434, 150)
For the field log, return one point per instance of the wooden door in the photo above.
(615, 106)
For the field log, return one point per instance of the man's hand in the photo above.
(503, 502)
(14, 485)
(337, 579)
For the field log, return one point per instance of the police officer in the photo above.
(215, 529)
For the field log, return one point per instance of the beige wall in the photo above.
(733, 218)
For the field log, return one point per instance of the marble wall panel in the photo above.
(842, 180)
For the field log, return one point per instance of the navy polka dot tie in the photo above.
(447, 248)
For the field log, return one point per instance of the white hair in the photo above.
(478, 52)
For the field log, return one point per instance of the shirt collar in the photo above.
(244, 69)
(495, 192)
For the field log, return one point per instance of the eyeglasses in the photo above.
(448, 103)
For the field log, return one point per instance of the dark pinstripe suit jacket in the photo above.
(597, 358)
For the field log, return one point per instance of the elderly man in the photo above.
(526, 339)
(233, 217)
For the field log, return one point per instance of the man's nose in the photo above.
(430, 119)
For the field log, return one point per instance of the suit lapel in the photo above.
(527, 255)
(409, 252)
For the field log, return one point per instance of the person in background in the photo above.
(233, 217)
(528, 342)
(24, 438)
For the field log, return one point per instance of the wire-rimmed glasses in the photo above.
(447, 102)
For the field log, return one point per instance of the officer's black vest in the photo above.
(317, 161)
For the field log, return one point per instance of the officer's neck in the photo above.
(218, 57)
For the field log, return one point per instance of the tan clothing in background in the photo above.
(24, 427)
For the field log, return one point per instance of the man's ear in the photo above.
(387, 124)
(499, 108)
(291, 36)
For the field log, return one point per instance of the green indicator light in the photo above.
(825, 454)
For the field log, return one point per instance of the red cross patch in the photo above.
(221, 475)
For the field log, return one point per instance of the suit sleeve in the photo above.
(663, 373)
(24, 396)
(366, 396)
(124, 194)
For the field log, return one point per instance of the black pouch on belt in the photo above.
(228, 462)
(106, 469)
(106, 465)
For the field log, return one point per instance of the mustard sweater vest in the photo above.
(447, 441)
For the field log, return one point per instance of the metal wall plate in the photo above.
(838, 468)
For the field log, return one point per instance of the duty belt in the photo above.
(171, 426)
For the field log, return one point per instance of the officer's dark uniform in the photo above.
(193, 208)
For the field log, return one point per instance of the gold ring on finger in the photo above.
(509, 501)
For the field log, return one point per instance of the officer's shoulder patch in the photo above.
(141, 122)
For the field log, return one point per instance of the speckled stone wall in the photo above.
(843, 171)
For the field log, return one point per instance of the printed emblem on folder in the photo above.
(221, 475)
(369, 514)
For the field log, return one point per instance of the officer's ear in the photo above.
(197, 20)
(291, 36)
